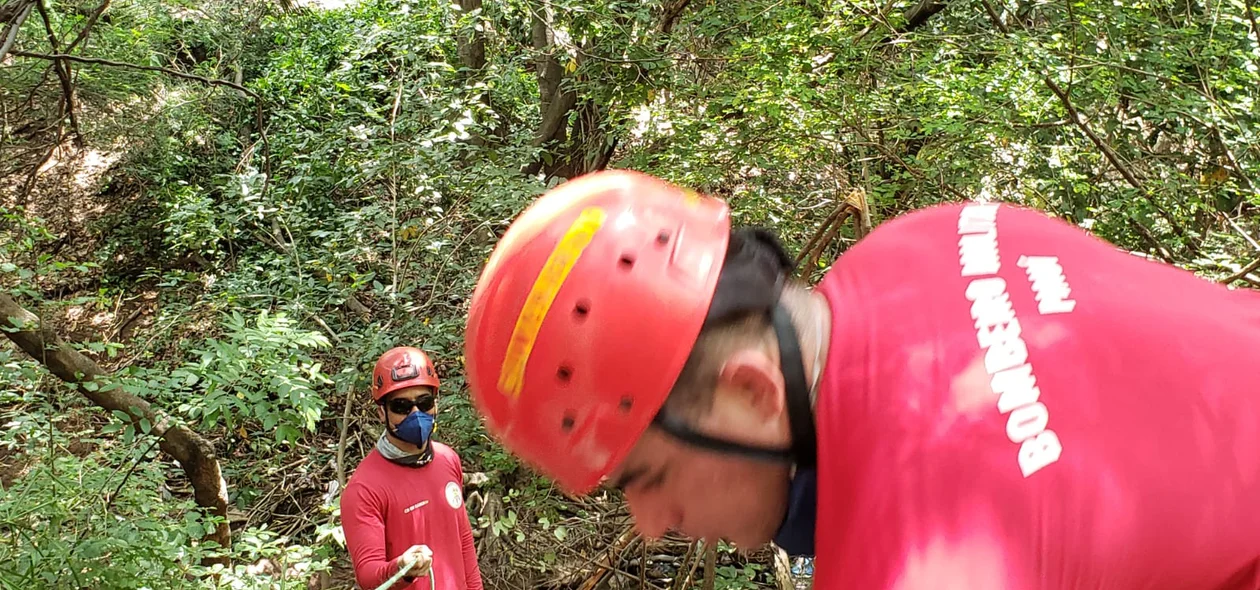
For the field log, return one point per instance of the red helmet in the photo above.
(585, 314)
(401, 367)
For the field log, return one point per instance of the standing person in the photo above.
(976, 396)
(405, 500)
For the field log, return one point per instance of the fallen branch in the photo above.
(1151, 240)
(828, 238)
(783, 570)
(127, 322)
(610, 559)
(353, 304)
(681, 581)
(853, 205)
(195, 454)
(1242, 273)
(812, 243)
(1242, 232)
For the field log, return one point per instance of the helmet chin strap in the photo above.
(803, 450)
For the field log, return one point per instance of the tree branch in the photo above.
(119, 64)
(11, 32)
(87, 26)
(1242, 273)
(63, 74)
(1244, 234)
(920, 14)
(195, 454)
(670, 17)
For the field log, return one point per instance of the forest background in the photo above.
(215, 215)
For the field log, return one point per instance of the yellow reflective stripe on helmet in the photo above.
(541, 296)
(690, 197)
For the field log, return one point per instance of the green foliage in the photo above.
(74, 521)
(24, 263)
(261, 373)
(108, 520)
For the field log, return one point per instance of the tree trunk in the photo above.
(472, 49)
(196, 456)
(549, 69)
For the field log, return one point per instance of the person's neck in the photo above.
(405, 446)
(811, 316)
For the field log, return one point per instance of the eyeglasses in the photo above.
(403, 406)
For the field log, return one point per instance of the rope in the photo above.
(403, 571)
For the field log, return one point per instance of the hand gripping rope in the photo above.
(403, 571)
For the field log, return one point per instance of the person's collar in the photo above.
(386, 447)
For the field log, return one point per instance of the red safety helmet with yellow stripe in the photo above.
(401, 367)
(586, 313)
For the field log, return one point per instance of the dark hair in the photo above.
(754, 273)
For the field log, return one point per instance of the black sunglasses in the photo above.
(403, 406)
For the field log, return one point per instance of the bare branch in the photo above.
(11, 33)
(1242, 273)
(63, 74)
(87, 26)
(119, 64)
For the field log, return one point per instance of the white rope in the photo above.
(403, 571)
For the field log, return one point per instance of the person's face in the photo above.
(672, 486)
(401, 403)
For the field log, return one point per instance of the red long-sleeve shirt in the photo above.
(1012, 404)
(386, 508)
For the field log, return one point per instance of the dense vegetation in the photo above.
(229, 209)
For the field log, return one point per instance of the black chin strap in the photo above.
(800, 409)
(803, 451)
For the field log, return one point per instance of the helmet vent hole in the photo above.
(626, 404)
(567, 422)
(582, 308)
(564, 374)
(627, 261)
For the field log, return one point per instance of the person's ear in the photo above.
(753, 373)
(380, 411)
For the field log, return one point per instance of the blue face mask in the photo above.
(796, 533)
(415, 428)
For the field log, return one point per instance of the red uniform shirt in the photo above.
(386, 508)
(1010, 403)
